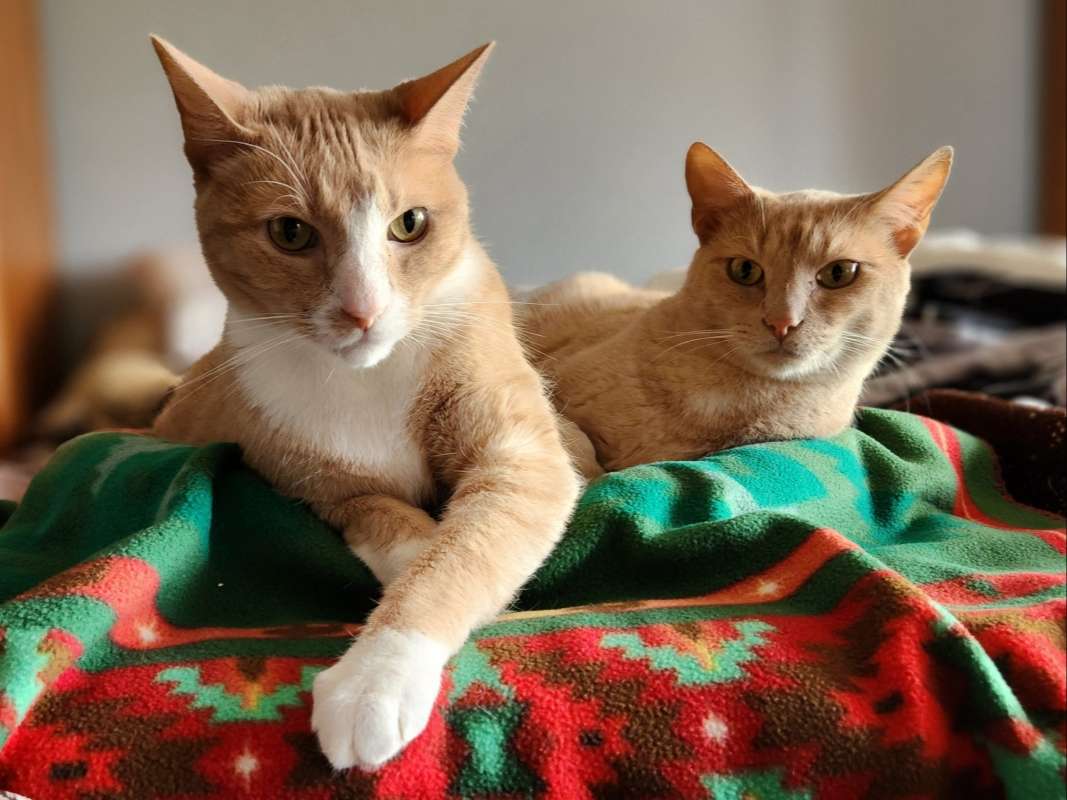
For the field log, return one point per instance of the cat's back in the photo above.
(576, 313)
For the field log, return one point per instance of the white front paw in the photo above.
(377, 698)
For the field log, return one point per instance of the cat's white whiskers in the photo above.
(244, 357)
(489, 303)
(708, 331)
(283, 184)
(707, 340)
(292, 160)
(285, 315)
(260, 148)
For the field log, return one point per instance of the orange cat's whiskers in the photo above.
(280, 315)
(448, 326)
(242, 357)
(295, 191)
(292, 161)
(706, 340)
(709, 331)
(261, 149)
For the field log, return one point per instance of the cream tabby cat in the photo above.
(369, 367)
(789, 303)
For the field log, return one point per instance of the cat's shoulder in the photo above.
(195, 411)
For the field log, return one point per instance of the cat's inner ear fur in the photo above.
(907, 204)
(434, 104)
(714, 187)
(207, 104)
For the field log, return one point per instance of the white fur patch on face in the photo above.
(356, 416)
(377, 698)
(362, 287)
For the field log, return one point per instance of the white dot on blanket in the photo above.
(767, 587)
(714, 728)
(245, 764)
(146, 632)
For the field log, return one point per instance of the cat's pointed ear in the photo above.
(434, 104)
(714, 186)
(207, 103)
(907, 204)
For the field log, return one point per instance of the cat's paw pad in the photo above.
(369, 705)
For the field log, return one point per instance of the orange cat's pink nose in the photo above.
(361, 322)
(781, 327)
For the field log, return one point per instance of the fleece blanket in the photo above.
(864, 616)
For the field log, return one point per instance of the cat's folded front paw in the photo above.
(377, 698)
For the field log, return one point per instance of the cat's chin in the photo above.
(364, 354)
(782, 364)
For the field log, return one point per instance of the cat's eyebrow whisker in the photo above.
(283, 184)
(260, 148)
(289, 154)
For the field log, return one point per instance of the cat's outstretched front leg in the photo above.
(385, 533)
(511, 502)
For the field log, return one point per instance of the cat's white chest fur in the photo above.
(356, 416)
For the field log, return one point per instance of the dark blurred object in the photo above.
(966, 330)
(1029, 442)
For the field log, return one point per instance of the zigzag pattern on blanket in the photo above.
(862, 616)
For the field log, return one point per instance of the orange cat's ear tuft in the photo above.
(908, 203)
(434, 104)
(714, 186)
(207, 102)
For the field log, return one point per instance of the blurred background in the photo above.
(573, 153)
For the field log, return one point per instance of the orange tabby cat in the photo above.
(369, 367)
(789, 303)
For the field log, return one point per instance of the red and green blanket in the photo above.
(865, 616)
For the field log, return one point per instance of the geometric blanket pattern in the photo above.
(863, 616)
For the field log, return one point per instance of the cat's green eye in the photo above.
(409, 226)
(744, 271)
(291, 234)
(838, 274)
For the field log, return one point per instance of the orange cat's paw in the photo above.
(377, 698)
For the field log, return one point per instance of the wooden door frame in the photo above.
(1053, 155)
(26, 247)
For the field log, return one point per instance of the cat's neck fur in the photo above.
(623, 380)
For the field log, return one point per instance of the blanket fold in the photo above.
(863, 616)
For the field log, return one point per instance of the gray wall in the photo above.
(574, 148)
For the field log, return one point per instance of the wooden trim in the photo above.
(1054, 141)
(26, 280)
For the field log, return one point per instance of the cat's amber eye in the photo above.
(291, 234)
(410, 226)
(838, 274)
(744, 271)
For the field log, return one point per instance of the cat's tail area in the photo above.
(113, 389)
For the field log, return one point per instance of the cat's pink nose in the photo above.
(781, 327)
(361, 321)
